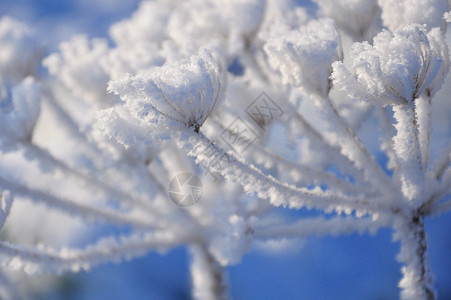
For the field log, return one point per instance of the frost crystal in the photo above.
(354, 16)
(398, 68)
(304, 56)
(185, 92)
(78, 66)
(399, 13)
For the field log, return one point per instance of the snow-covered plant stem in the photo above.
(417, 277)
(423, 110)
(112, 248)
(214, 157)
(351, 146)
(208, 276)
(407, 148)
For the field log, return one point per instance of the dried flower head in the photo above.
(185, 93)
(304, 56)
(398, 68)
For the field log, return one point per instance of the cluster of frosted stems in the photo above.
(133, 115)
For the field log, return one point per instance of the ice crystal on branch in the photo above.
(303, 56)
(354, 16)
(185, 93)
(399, 13)
(397, 69)
(79, 67)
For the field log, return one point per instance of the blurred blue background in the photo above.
(350, 267)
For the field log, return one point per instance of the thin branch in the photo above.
(113, 193)
(362, 117)
(442, 163)
(254, 180)
(302, 126)
(304, 174)
(423, 111)
(387, 134)
(208, 277)
(442, 193)
(40, 260)
(71, 126)
(352, 147)
(442, 208)
(318, 177)
(72, 207)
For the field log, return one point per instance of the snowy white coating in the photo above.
(236, 22)
(185, 93)
(304, 56)
(354, 16)
(78, 66)
(399, 13)
(19, 111)
(398, 68)
(20, 52)
(274, 105)
(148, 24)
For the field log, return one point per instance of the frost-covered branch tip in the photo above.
(78, 65)
(397, 69)
(185, 93)
(354, 16)
(304, 56)
(400, 69)
(399, 13)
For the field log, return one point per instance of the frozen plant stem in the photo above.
(417, 277)
(408, 151)
(265, 186)
(114, 193)
(207, 275)
(387, 136)
(285, 165)
(351, 145)
(423, 110)
(346, 165)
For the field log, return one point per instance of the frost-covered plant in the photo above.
(20, 51)
(101, 135)
(397, 14)
(78, 66)
(357, 17)
(185, 93)
(404, 69)
(304, 55)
